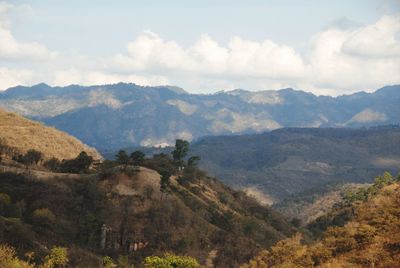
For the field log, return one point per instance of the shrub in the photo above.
(170, 261)
(44, 217)
(57, 256)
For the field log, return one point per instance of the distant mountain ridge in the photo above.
(290, 161)
(122, 115)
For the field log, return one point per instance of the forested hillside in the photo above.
(125, 210)
(287, 162)
(363, 231)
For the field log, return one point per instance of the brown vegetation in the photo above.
(22, 134)
(370, 239)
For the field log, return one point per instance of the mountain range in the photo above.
(123, 115)
(290, 161)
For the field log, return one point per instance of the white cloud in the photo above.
(12, 49)
(376, 40)
(338, 60)
(77, 76)
(349, 60)
(149, 52)
(13, 77)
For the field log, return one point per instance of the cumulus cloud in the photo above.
(13, 77)
(149, 52)
(12, 49)
(354, 59)
(378, 40)
(339, 59)
(83, 77)
(342, 58)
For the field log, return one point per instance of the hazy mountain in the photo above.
(120, 115)
(290, 161)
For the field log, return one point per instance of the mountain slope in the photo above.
(23, 134)
(370, 237)
(289, 161)
(121, 211)
(121, 115)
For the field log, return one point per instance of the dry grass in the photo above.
(25, 134)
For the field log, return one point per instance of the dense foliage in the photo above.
(126, 210)
(369, 238)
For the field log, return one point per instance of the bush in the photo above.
(31, 157)
(80, 164)
(170, 261)
(44, 217)
(58, 256)
(53, 164)
(8, 258)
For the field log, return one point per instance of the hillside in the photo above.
(368, 237)
(22, 134)
(122, 211)
(314, 203)
(121, 115)
(286, 162)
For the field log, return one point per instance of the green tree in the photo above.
(108, 262)
(53, 164)
(181, 150)
(137, 157)
(44, 217)
(122, 157)
(164, 181)
(8, 258)
(170, 261)
(58, 257)
(123, 262)
(84, 161)
(32, 157)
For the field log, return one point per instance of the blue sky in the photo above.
(202, 46)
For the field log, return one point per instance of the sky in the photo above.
(325, 47)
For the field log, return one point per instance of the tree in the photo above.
(58, 257)
(181, 150)
(83, 161)
(108, 262)
(53, 164)
(44, 217)
(32, 157)
(122, 157)
(164, 182)
(170, 261)
(137, 157)
(8, 258)
(79, 164)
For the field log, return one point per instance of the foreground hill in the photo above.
(286, 162)
(121, 115)
(368, 235)
(22, 135)
(122, 211)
